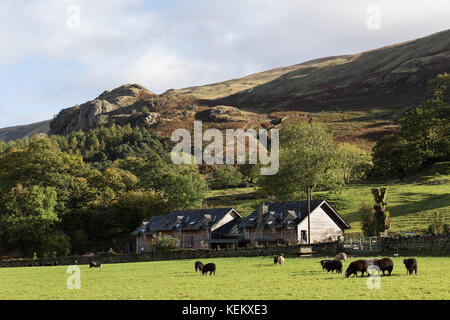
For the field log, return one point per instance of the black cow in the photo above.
(355, 266)
(209, 267)
(198, 266)
(384, 264)
(333, 265)
(411, 265)
(95, 264)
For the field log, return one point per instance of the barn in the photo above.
(286, 222)
(201, 228)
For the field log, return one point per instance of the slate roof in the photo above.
(286, 214)
(183, 220)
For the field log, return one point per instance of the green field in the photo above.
(409, 204)
(236, 278)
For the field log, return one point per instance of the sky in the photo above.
(58, 53)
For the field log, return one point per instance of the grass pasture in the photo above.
(409, 204)
(253, 278)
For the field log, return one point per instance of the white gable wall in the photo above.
(323, 228)
(227, 218)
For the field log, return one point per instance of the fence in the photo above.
(367, 244)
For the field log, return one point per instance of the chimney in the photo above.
(259, 221)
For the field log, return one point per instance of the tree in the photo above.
(226, 176)
(28, 219)
(131, 208)
(184, 187)
(355, 162)
(308, 159)
(368, 222)
(424, 136)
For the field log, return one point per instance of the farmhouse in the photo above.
(208, 228)
(287, 222)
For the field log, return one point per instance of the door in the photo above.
(304, 236)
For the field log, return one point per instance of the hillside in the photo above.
(19, 132)
(392, 76)
(360, 96)
(410, 204)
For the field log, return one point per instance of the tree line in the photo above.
(62, 194)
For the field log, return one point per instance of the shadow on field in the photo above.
(429, 202)
(261, 265)
(306, 273)
(188, 275)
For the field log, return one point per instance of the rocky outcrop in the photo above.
(99, 111)
(220, 114)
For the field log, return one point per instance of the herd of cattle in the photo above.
(335, 265)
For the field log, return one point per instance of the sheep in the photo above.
(198, 266)
(384, 264)
(333, 265)
(209, 267)
(355, 266)
(341, 256)
(279, 259)
(94, 264)
(373, 261)
(411, 266)
(322, 263)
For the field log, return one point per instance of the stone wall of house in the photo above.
(147, 241)
(288, 235)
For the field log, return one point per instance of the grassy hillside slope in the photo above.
(394, 75)
(409, 203)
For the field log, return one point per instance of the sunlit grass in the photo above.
(236, 278)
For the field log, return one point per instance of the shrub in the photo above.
(368, 221)
(436, 224)
(167, 242)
